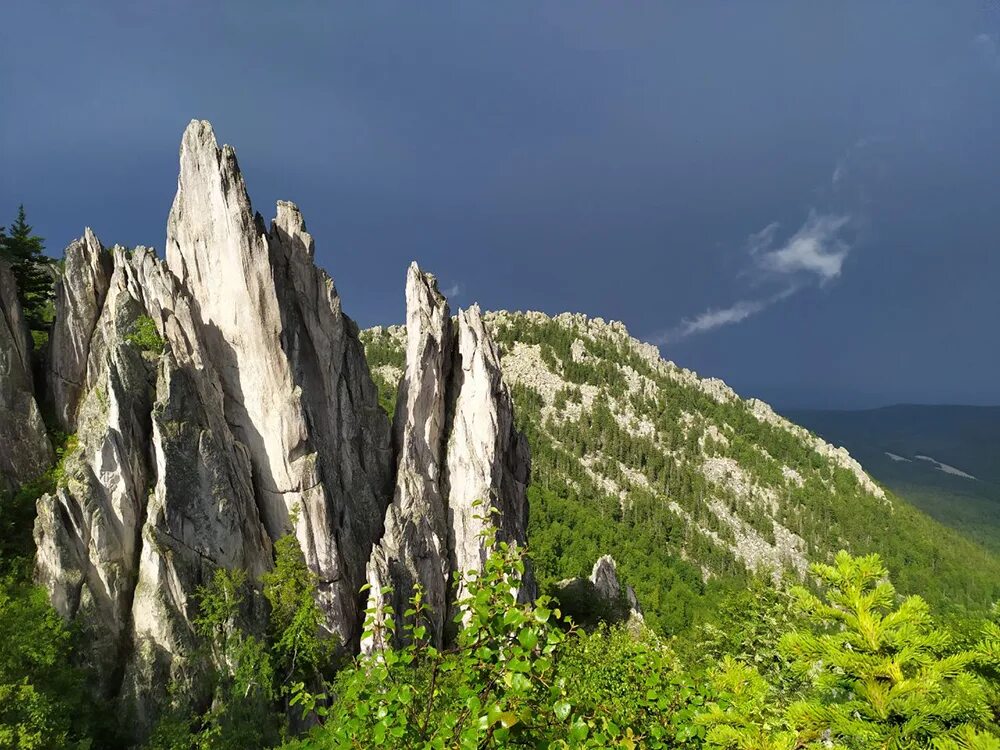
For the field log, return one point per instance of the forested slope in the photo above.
(689, 486)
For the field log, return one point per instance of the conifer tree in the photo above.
(883, 676)
(745, 716)
(25, 252)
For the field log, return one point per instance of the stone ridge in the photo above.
(716, 388)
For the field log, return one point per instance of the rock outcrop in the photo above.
(222, 399)
(488, 460)
(87, 532)
(153, 498)
(297, 389)
(462, 467)
(414, 547)
(79, 299)
(24, 446)
(600, 598)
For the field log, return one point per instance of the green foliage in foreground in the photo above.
(43, 702)
(869, 672)
(854, 667)
(879, 674)
(883, 675)
(517, 676)
(253, 676)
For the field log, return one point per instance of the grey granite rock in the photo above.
(79, 299)
(24, 446)
(297, 389)
(462, 467)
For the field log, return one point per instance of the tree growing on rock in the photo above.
(24, 251)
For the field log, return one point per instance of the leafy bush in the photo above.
(518, 675)
(43, 703)
(144, 336)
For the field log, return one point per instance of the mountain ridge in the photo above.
(756, 513)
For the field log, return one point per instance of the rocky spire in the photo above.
(24, 447)
(222, 399)
(297, 389)
(462, 467)
(488, 459)
(216, 396)
(87, 533)
(414, 548)
(79, 299)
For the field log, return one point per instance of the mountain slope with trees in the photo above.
(943, 459)
(693, 488)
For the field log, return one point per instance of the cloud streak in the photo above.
(812, 256)
(714, 318)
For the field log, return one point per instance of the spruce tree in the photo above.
(25, 252)
(883, 676)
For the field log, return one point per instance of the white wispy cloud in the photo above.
(838, 173)
(714, 318)
(455, 290)
(812, 256)
(854, 167)
(764, 239)
(816, 248)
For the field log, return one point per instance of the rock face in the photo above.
(79, 299)
(459, 458)
(488, 459)
(87, 532)
(414, 548)
(24, 447)
(297, 389)
(156, 495)
(221, 399)
(217, 397)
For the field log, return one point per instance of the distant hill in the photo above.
(943, 459)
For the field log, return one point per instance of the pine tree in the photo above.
(883, 676)
(744, 717)
(25, 252)
(299, 643)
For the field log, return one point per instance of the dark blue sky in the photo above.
(801, 198)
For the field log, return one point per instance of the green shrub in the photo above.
(144, 336)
